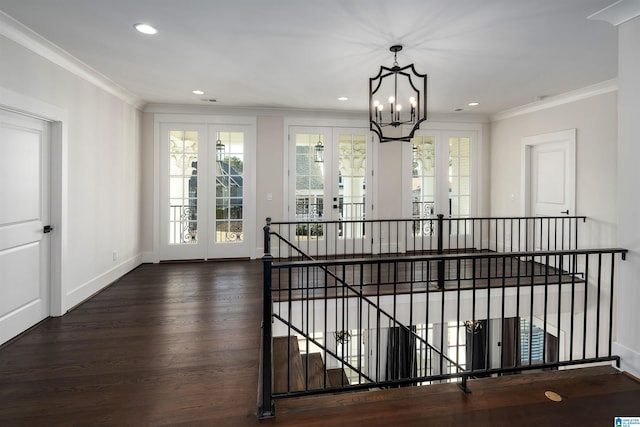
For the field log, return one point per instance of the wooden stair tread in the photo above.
(313, 366)
(286, 356)
(337, 377)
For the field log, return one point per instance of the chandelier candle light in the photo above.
(405, 87)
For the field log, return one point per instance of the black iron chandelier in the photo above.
(397, 97)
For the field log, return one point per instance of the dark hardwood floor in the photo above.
(178, 344)
(418, 277)
(166, 344)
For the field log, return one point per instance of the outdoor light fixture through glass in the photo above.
(219, 151)
(318, 151)
(397, 97)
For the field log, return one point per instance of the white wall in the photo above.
(96, 171)
(628, 338)
(595, 119)
(607, 178)
(270, 173)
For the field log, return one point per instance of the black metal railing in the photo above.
(393, 321)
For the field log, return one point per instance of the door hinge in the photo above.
(47, 229)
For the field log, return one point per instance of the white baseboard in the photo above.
(629, 359)
(95, 285)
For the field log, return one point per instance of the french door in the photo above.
(439, 178)
(206, 191)
(329, 168)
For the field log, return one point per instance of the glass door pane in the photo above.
(231, 191)
(351, 149)
(352, 168)
(310, 184)
(183, 187)
(459, 183)
(423, 181)
(459, 176)
(229, 187)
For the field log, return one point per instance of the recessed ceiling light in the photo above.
(145, 29)
(343, 98)
(458, 109)
(473, 104)
(197, 92)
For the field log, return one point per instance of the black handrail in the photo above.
(433, 218)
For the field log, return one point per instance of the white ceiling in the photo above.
(306, 53)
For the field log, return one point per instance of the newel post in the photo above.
(267, 408)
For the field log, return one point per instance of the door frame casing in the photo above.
(528, 143)
(58, 173)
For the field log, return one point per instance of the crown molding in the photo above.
(555, 101)
(618, 12)
(169, 108)
(29, 39)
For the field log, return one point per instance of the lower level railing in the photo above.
(390, 321)
(434, 234)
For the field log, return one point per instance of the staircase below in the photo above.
(289, 364)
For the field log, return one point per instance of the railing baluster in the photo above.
(440, 251)
(598, 305)
(586, 306)
(559, 320)
(610, 340)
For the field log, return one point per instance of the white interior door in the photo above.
(24, 212)
(550, 178)
(552, 181)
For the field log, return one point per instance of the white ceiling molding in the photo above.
(554, 101)
(225, 110)
(19, 33)
(618, 12)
